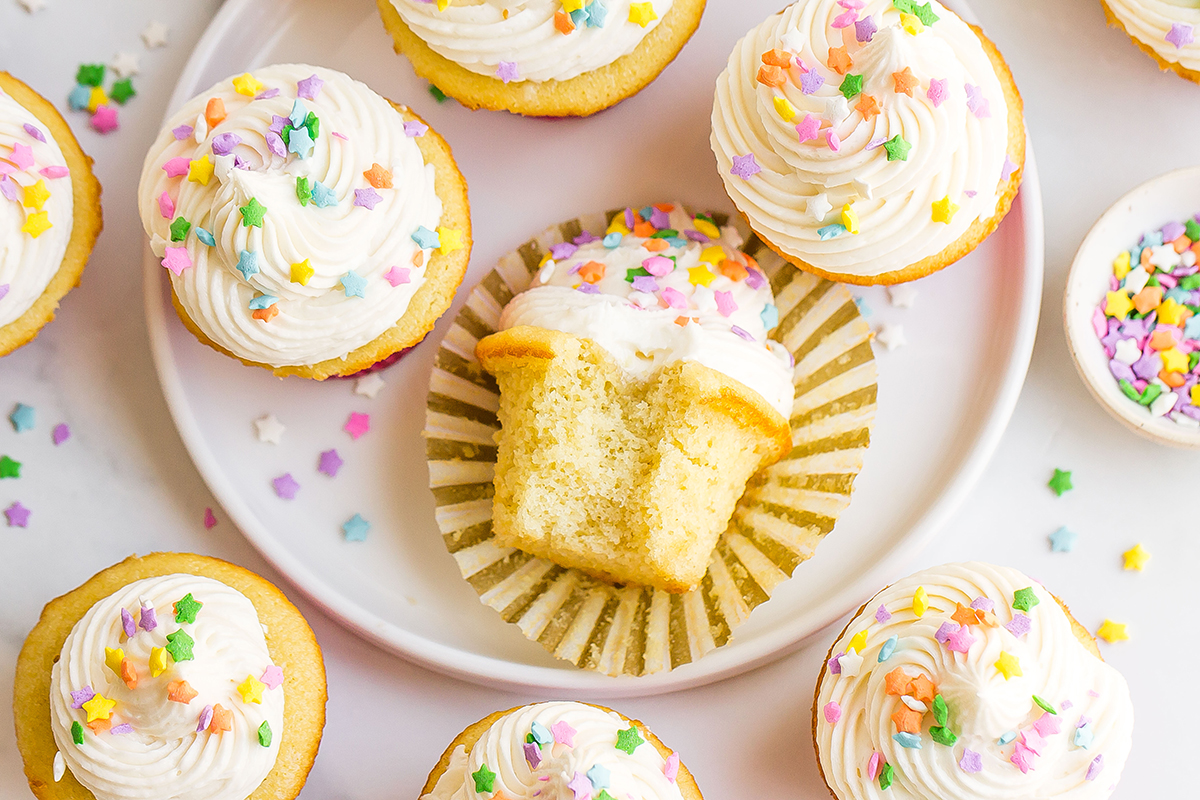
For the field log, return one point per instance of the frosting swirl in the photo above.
(1168, 27)
(537, 40)
(36, 208)
(872, 139)
(987, 693)
(163, 724)
(291, 253)
(631, 300)
(576, 750)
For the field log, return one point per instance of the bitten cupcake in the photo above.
(871, 142)
(969, 680)
(49, 212)
(559, 751)
(171, 675)
(308, 225)
(639, 391)
(545, 58)
(1163, 29)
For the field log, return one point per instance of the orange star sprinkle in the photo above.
(222, 719)
(129, 673)
(643, 229)
(214, 112)
(592, 272)
(840, 60)
(777, 58)
(905, 81)
(907, 720)
(897, 682)
(265, 314)
(733, 270)
(867, 106)
(562, 22)
(923, 689)
(181, 692)
(965, 615)
(100, 725)
(655, 245)
(378, 177)
(771, 76)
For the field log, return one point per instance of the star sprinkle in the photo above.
(1136, 558)
(37, 224)
(833, 712)
(23, 418)
(125, 64)
(158, 661)
(252, 213)
(302, 272)
(247, 263)
(99, 707)
(355, 529)
(36, 195)
(246, 84)
(1113, 631)
(1063, 540)
(155, 35)
(840, 61)
(354, 284)
(1019, 625)
(1061, 482)
(222, 719)
(971, 761)
(378, 177)
(17, 515)
(507, 71)
(251, 690)
(367, 198)
(300, 142)
(977, 104)
(944, 210)
(745, 167)
(897, 148)
(398, 276)
(629, 739)
(357, 425)
(1024, 599)
(891, 336)
(1181, 34)
(868, 106)
(414, 128)
(368, 385)
(176, 259)
(484, 779)
(851, 663)
(960, 641)
(186, 609)
(1008, 665)
(179, 645)
(642, 13)
(200, 170)
(329, 463)
(809, 127)
(9, 468)
(938, 91)
(286, 486)
(903, 82)
(181, 692)
(272, 676)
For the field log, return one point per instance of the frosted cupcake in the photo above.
(559, 751)
(308, 225)
(871, 142)
(639, 391)
(171, 675)
(1163, 29)
(49, 212)
(547, 58)
(969, 680)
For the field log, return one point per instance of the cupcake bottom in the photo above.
(442, 278)
(1163, 64)
(87, 218)
(980, 229)
(580, 96)
(289, 640)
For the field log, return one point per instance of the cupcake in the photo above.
(308, 225)
(559, 751)
(542, 58)
(171, 675)
(639, 391)
(969, 680)
(871, 142)
(49, 212)
(1164, 30)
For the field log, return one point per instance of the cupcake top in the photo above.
(294, 212)
(532, 40)
(965, 681)
(36, 208)
(861, 138)
(662, 286)
(1167, 27)
(165, 688)
(559, 751)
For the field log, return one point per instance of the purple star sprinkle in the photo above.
(223, 143)
(1094, 768)
(9, 189)
(119, 730)
(660, 219)
(239, 163)
(562, 250)
(330, 463)
(205, 718)
(1180, 34)
(943, 633)
(4, 287)
(756, 280)
(811, 81)
(835, 664)
(983, 604)
(1008, 169)
(865, 28)
(977, 104)
(532, 754)
(18, 515)
(1084, 719)
(286, 486)
(267, 95)
(33, 131)
(1065, 704)
(149, 619)
(696, 236)
(587, 288)
(414, 128)
(182, 132)
(61, 433)
(507, 71)
(882, 614)
(275, 144)
(645, 283)
(81, 696)
(744, 334)
(1019, 626)
(127, 623)
(309, 88)
(277, 123)
(971, 761)
(368, 198)
(581, 786)
(1172, 231)
(744, 167)
(585, 238)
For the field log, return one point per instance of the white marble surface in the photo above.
(1103, 118)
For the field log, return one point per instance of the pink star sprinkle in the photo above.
(177, 167)
(563, 733)
(330, 462)
(977, 104)
(961, 640)
(105, 119)
(54, 172)
(671, 768)
(22, 156)
(833, 712)
(210, 519)
(809, 127)
(1022, 758)
(166, 206)
(725, 303)
(937, 91)
(1048, 724)
(272, 676)
(845, 19)
(831, 139)
(397, 276)
(357, 424)
(1033, 741)
(177, 260)
(60, 434)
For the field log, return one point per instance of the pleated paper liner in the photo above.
(785, 512)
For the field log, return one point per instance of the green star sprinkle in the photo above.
(629, 739)
(179, 645)
(604, 795)
(1044, 705)
(1061, 482)
(1024, 599)
(186, 608)
(925, 13)
(179, 229)
(851, 86)
(9, 468)
(1192, 229)
(943, 736)
(941, 711)
(76, 732)
(635, 273)
(885, 776)
(90, 74)
(264, 734)
(303, 190)
(897, 148)
(253, 213)
(122, 91)
(313, 124)
(437, 93)
(485, 779)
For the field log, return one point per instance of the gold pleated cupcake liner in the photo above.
(785, 512)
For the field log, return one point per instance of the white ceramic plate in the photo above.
(1174, 196)
(944, 400)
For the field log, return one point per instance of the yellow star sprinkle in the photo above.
(859, 641)
(572, 5)
(247, 85)
(701, 275)
(1174, 360)
(113, 659)
(642, 13)
(1118, 304)
(911, 23)
(713, 255)
(158, 661)
(1196, 395)
(850, 218)
(1009, 665)
(99, 707)
(200, 170)
(450, 238)
(443, 4)
(1121, 265)
(302, 272)
(251, 690)
(785, 109)
(920, 602)
(36, 195)
(1171, 312)
(944, 210)
(96, 99)
(1136, 557)
(707, 228)
(618, 225)
(37, 224)
(1113, 631)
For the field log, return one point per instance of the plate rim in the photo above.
(722, 663)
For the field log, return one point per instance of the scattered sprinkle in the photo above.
(1136, 558)
(1061, 482)
(286, 486)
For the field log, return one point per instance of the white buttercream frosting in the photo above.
(159, 753)
(29, 261)
(638, 321)
(583, 753)
(322, 318)
(958, 134)
(1076, 751)
(1151, 21)
(480, 34)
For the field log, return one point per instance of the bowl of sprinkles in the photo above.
(1132, 309)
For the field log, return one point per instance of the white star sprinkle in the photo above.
(32, 6)
(863, 189)
(125, 64)
(154, 35)
(818, 207)
(269, 429)
(368, 385)
(891, 336)
(902, 296)
(851, 664)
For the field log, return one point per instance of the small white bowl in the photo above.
(1174, 196)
